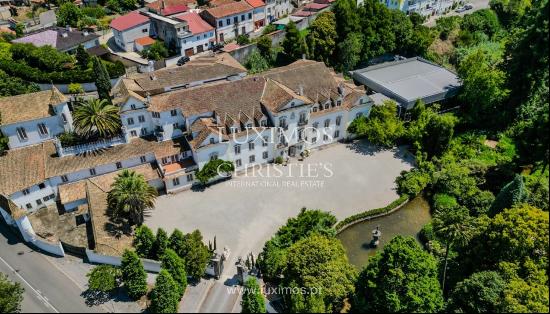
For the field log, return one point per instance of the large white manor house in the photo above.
(174, 121)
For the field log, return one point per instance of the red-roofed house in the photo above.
(169, 7)
(230, 20)
(315, 7)
(128, 28)
(143, 43)
(202, 34)
(259, 12)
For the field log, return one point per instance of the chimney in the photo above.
(148, 97)
(341, 89)
(301, 90)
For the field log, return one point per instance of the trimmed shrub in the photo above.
(373, 212)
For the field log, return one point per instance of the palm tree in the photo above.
(96, 116)
(455, 227)
(131, 197)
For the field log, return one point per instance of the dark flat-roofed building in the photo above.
(409, 80)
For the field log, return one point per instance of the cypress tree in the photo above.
(144, 239)
(133, 275)
(176, 267)
(161, 243)
(177, 242)
(511, 194)
(164, 297)
(102, 80)
(253, 300)
(82, 57)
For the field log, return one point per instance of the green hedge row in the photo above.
(373, 212)
(28, 73)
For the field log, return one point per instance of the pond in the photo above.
(406, 221)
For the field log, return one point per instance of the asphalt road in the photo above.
(47, 289)
(478, 4)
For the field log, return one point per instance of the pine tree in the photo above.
(164, 297)
(144, 239)
(161, 243)
(133, 275)
(511, 194)
(102, 80)
(176, 267)
(253, 300)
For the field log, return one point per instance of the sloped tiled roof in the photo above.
(229, 9)
(32, 106)
(196, 24)
(128, 21)
(57, 37)
(256, 3)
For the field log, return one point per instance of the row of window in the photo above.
(22, 133)
(327, 122)
(176, 181)
(327, 106)
(39, 201)
(251, 159)
(325, 137)
(251, 145)
(235, 20)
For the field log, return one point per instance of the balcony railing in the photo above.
(89, 147)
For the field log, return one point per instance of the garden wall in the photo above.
(93, 257)
(64, 88)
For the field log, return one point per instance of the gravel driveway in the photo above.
(246, 211)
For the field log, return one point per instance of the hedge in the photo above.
(373, 212)
(28, 73)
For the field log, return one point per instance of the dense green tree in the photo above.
(131, 197)
(455, 227)
(103, 279)
(484, 20)
(68, 14)
(293, 43)
(157, 51)
(306, 223)
(11, 86)
(196, 254)
(213, 169)
(484, 91)
(377, 29)
(511, 194)
(382, 127)
(400, 278)
(133, 275)
(176, 267)
(101, 78)
(144, 239)
(482, 292)
(347, 18)
(164, 297)
(252, 299)
(161, 244)
(264, 45)
(322, 37)
(176, 242)
(82, 57)
(349, 51)
(96, 117)
(510, 11)
(256, 63)
(412, 182)
(11, 295)
(319, 262)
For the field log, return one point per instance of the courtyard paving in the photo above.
(247, 210)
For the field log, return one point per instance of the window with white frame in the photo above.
(190, 177)
(338, 120)
(156, 114)
(42, 129)
(327, 123)
(265, 155)
(265, 141)
(237, 149)
(22, 134)
(337, 134)
(133, 133)
(141, 118)
(252, 158)
(26, 191)
(118, 165)
(176, 181)
(173, 112)
(130, 121)
(64, 178)
(142, 159)
(214, 156)
(325, 137)
(238, 163)
(92, 171)
(250, 145)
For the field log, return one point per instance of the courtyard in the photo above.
(247, 210)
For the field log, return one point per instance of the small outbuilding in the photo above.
(409, 80)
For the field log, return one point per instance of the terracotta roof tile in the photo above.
(256, 3)
(27, 107)
(229, 9)
(128, 21)
(196, 24)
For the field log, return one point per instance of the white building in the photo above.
(422, 7)
(276, 9)
(259, 15)
(201, 34)
(128, 28)
(29, 119)
(230, 20)
(167, 137)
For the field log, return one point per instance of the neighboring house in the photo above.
(63, 39)
(172, 31)
(422, 7)
(32, 118)
(259, 16)
(230, 20)
(409, 80)
(276, 9)
(128, 28)
(202, 34)
(168, 7)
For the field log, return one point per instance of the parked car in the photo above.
(469, 6)
(460, 9)
(217, 47)
(183, 60)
